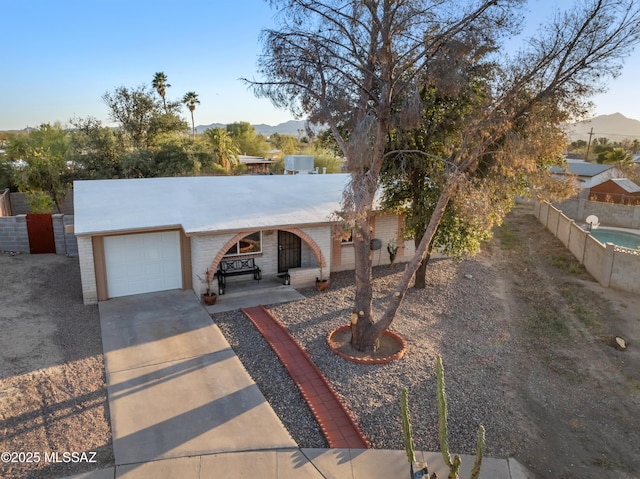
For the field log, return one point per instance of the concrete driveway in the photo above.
(176, 388)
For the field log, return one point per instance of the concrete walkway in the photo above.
(183, 406)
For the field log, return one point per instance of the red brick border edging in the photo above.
(354, 359)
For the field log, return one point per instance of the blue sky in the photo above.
(59, 58)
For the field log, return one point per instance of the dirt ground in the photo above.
(53, 397)
(572, 394)
(575, 396)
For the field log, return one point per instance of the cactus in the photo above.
(475, 472)
(454, 466)
(406, 427)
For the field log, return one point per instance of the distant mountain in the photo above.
(615, 127)
(292, 127)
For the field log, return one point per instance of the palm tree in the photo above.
(224, 147)
(190, 99)
(161, 85)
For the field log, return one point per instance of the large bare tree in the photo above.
(359, 67)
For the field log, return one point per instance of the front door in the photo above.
(289, 251)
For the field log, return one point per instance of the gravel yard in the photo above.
(520, 358)
(525, 335)
(53, 396)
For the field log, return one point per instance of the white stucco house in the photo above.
(144, 235)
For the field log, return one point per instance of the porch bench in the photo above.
(236, 267)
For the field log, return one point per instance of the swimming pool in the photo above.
(618, 237)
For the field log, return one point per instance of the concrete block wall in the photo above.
(577, 241)
(13, 234)
(564, 229)
(609, 214)
(624, 275)
(70, 241)
(595, 259)
(612, 266)
(20, 204)
(87, 270)
(58, 233)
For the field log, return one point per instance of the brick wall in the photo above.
(387, 227)
(207, 251)
(87, 270)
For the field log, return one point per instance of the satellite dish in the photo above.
(593, 222)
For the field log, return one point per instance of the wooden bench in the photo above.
(236, 267)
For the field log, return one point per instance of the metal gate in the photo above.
(289, 251)
(40, 231)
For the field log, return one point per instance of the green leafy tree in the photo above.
(324, 158)
(134, 109)
(46, 174)
(359, 67)
(248, 141)
(138, 163)
(95, 149)
(190, 100)
(287, 144)
(225, 150)
(177, 158)
(325, 140)
(160, 84)
(615, 156)
(142, 119)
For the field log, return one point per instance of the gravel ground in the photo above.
(456, 316)
(526, 340)
(53, 396)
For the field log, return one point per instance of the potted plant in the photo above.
(321, 283)
(208, 297)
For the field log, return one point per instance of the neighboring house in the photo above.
(144, 235)
(588, 174)
(616, 190)
(256, 165)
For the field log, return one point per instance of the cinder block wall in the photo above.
(70, 241)
(609, 214)
(13, 234)
(20, 204)
(612, 266)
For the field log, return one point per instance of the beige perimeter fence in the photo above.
(611, 265)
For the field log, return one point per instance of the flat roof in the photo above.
(206, 203)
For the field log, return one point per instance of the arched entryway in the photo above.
(289, 248)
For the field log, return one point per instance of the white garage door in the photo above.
(142, 263)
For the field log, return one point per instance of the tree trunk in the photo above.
(420, 281)
(368, 333)
(362, 321)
